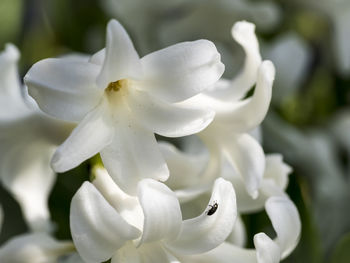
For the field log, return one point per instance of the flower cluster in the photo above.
(147, 201)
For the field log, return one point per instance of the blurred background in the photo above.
(309, 117)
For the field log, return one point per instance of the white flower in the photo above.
(120, 101)
(27, 139)
(186, 177)
(228, 135)
(286, 223)
(106, 222)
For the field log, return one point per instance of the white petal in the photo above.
(247, 114)
(277, 170)
(121, 59)
(99, 57)
(97, 228)
(267, 251)
(36, 247)
(147, 253)
(248, 159)
(127, 206)
(64, 88)
(273, 183)
(181, 71)
(286, 222)
(185, 172)
(92, 134)
(161, 210)
(170, 120)
(244, 33)
(225, 253)
(185, 168)
(26, 173)
(238, 236)
(132, 156)
(206, 232)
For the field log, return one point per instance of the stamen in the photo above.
(117, 85)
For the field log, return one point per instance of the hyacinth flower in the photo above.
(186, 180)
(28, 139)
(108, 223)
(228, 136)
(129, 99)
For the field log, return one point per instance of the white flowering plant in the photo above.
(152, 150)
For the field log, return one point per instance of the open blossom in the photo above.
(228, 136)
(121, 100)
(28, 139)
(108, 223)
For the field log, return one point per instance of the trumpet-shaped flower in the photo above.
(28, 139)
(121, 100)
(108, 223)
(227, 137)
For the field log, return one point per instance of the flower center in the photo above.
(117, 85)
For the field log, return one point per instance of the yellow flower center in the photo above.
(117, 85)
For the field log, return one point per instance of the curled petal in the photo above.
(132, 156)
(181, 71)
(170, 120)
(97, 228)
(212, 227)
(267, 251)
(273, 183)
(286, 222)
(121, 60)
(37, 247)
(247, 114)
(248, 159)
(64, 88)
(161, 210)
(127, 206)
(244, 33)
(92, 134)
